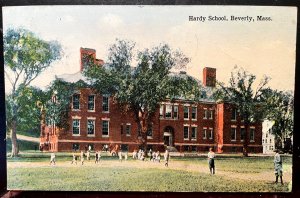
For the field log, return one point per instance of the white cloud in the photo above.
(111, 20)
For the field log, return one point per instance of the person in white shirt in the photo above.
(166, 157)
(82, 157)
(211, 161)
(74, 160)
(52, 159)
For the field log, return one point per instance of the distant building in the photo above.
(268, 139)
(181, 125)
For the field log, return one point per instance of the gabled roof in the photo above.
(207, 92)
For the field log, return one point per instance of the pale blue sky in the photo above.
(259, 47)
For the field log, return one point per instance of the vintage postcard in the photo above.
(149, 98)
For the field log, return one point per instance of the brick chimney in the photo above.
(87, 54)
(209, 76)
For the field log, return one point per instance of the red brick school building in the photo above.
(181, 125)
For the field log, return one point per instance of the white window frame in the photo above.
(196, 130)
(194, 107)
(90, 135)
(77, 94)
(233, 127)
(128, 125)
(161, 111)
(188, 112)
(175, 107)
(102, 121)
(211, 133)
(104, 111)
(204, 130)
(168, 107)
(205, 113)
(242, 127)
(188, 131)
(91, 110)
(211, 114)
(73, 119)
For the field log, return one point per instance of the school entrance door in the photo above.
(169, 136)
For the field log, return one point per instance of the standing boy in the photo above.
(166, 157)
(211, 161)
(52, 159)
(82, 157)
(278, 166)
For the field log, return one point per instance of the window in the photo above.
(266, 140)
(205, 114)
(186, 112)
(210, 133)
(263, 141)
(194, 113)
(76, 103)
(175, 112)
(105, 128)
(128, 129)
(75, 146)
(149, 132)
(233, 114)
(186, 132)
(243, 132)
(266, 135)
(270, 141)
(105, 104)
(91, 127)
(211, 112)
(76, 126)
(204, 133)
(252, 130)
(194, 133)
(161, 111)
(168, 111)
(91, 103)
(233, 134)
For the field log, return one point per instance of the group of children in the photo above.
(87, 154)
(154, 156)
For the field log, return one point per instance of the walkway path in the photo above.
(28, 138)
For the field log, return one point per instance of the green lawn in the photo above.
(23, 145)
(111, 175)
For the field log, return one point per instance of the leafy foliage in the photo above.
(141, 87)
(251, 103)
(25, 57)
(28, 112)
(281, 111)
(58, 107)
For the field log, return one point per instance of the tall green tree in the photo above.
(29, 113)
(26, 56)
(141, 87)
(248, 100)
(281, 111)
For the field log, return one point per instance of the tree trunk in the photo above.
(245, 144)
(14, 143)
